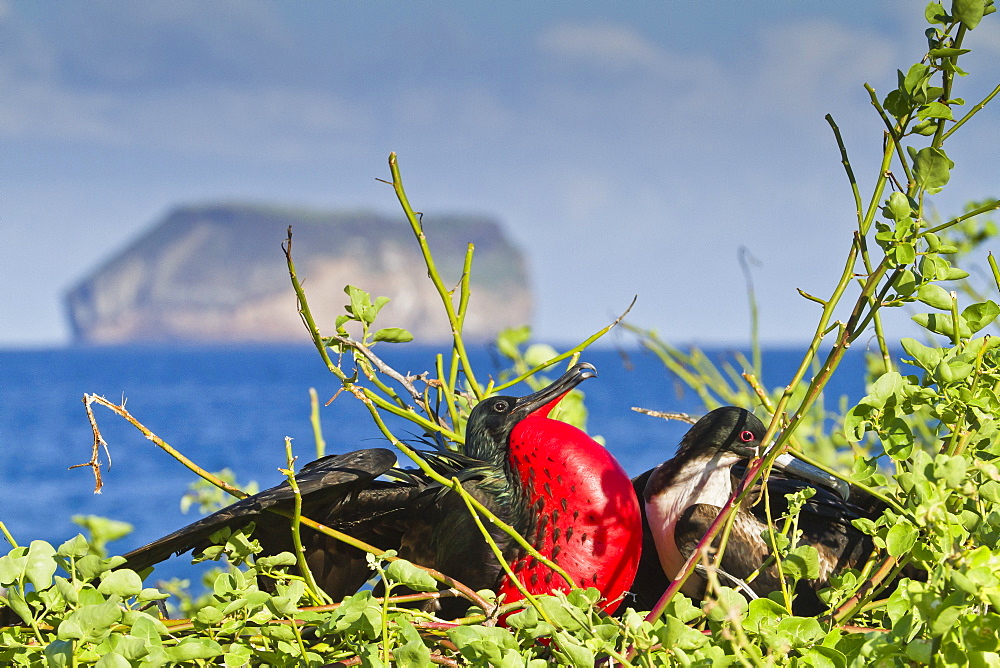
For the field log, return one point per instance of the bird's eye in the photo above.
(500, 406)
(746, 436)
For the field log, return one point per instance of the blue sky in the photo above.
(630, 148)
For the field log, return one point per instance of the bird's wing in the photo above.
(320, 483)
(825, 520)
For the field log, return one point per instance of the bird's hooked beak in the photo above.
(794, 466)
(541, 403)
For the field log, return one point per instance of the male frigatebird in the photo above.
(560, 489)
(683, 496)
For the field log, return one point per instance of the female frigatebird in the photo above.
(555, 485)
(683, 496)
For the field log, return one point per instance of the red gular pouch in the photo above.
(586, 515)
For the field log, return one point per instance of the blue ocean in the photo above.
(233, 407)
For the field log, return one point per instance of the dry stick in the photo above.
(381, 366)
(95, 463)
(680, 417)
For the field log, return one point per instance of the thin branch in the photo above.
(569, 353)
(973, 111)
(405, 381)
(680, 417)
(94, 464)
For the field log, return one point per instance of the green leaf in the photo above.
(405, 573)
(194, 647)
(59, 653)
(393, 335)
(946, 51)
(74, 547)
(147, 628)
(926, 357)
(823, 657)
(934, 13)
(897, 103)
(915, 81)
(941, 323)
(510, 339)
(579, 655)
(934, 296)
(905, 283)
(800, 631)
(802, 563)
(968, 12)
(124, 583)
(932, 168)
(856, 422)
(935, 110)
(729, 604)
(482, 643)
(954, 274)
(539, 353)
(112, 660)
(560, 614)
(897, 438)
(414, 653)
(676, 633)
(377, 306)
(904, 253)
(361, 302)
(238, 655)
(40, 565)
(978, 316)
(900, 538)
(947, 619)
(898, 207)
(950, 470)
(12, 566)
(16, 602)
(763, 615)
(885, 390)
(90, 622)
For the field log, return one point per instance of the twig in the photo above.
(381, 366)
(95, 465)
(316, 424)
(680, 417)
(569, 353)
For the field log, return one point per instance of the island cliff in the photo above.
(217, 274)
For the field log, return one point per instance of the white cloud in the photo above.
(605, 45)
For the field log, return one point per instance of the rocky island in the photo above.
(216, 274)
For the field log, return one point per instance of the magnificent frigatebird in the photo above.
(560, 489)
(683, 496)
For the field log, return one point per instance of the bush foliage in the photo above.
(924, 439)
